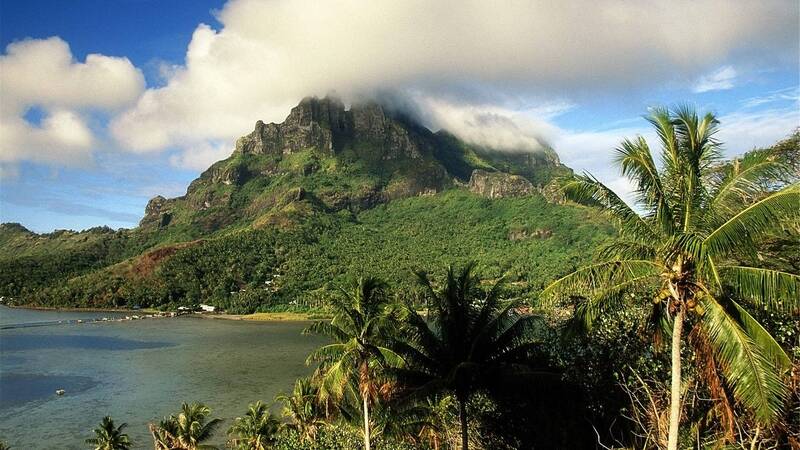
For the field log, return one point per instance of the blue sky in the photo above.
(106, 104)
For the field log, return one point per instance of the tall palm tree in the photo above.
(187, 430)
(303, 409)
(257, 430)
(357, 356)
(108, 436)
(694, 218)
(469, 341)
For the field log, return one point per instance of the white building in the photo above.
(208, 308)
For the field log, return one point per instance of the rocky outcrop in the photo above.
(157, 212)
(326, 125)
(371, 124)
(539, 233)
(554, 193)
(499, 184)
(314, 123)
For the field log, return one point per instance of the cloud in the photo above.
(42, 73)
(63, 137)
(742, 131)
(268, 55)
(718, 80)
(791, 94)
(593, 152)
(739, 131)
(489, 125)
(201, 155)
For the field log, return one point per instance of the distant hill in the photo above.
(328, 194)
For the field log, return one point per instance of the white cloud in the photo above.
(488, 125)
(42, 73)
(268, 55)
(201, 155)
(791, 94)
(718, 80)
(593, 152)
(63, 138)
(741, 131)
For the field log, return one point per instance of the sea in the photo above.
(136, 371)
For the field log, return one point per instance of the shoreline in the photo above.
(265, 317)
(254, 317)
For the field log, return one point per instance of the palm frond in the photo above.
(744, 178)
(636, 162)
(754, 221)
(625, 249)
(602, 300)
(753, 376)
(592, 278)
(328, 352)
(586, 188)
(760, 337)
(327, 329)
(771, 289)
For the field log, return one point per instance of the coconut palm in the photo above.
(468, 342)
(108, 436)
(257, 430)
(185, 431)
(303, 409)
(164, 433)
(353, 363)
(694, 219)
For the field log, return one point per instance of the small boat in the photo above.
(59, 392)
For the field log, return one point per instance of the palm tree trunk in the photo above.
(462, 413)
(366, 424)
(675, 394)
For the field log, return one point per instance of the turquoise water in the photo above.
(135, 371)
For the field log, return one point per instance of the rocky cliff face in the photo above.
(499, 184)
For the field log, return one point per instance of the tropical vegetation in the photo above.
(686, 251)
(187, 430)
(109, 436)
(257, 430)
(353, 365)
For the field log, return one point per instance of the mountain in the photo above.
(299, 206)
(324, 157)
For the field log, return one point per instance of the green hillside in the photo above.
(527, 239)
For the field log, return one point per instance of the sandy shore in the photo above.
(268, 317)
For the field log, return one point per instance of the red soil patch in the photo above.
(145, 264)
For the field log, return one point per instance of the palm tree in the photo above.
(356, 358)
(186, 431)
(694, 216)
(257, 430)
(468, 341)
(303, 410)
(108, 436)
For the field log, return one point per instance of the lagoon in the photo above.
(136, 371)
